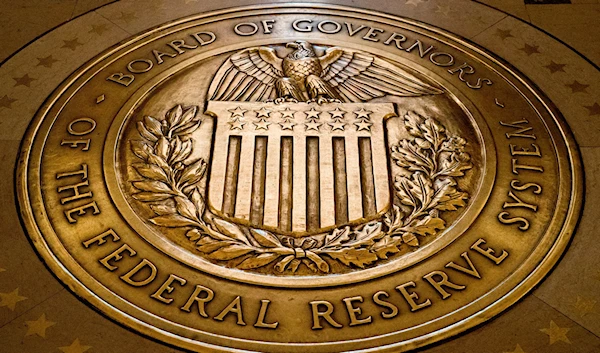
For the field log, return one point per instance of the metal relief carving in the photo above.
(273, 179)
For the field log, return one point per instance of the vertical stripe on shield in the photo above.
(257, 203)
(313, 198)
(367, 179)
(285, 184)
(340, 186)
(231, 174)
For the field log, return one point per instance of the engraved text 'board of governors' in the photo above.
(299, 179)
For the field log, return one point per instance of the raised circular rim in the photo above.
(530, 277)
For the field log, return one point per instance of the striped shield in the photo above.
(298, 168)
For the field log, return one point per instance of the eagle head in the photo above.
(303, 50)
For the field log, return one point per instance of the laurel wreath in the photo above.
(429, 162)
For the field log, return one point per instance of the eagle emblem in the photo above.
(258, 74)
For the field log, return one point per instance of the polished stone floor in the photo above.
(37, 314)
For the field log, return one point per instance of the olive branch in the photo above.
(169, 184)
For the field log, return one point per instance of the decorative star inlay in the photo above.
(554, 67)
(24, 80)
(262, 124)
(6, 102)
(287, 125)
(593, 109)
(11, 299)
(72, 44)
(556, 333)
(530, 49)
(362, 114)
(444, 10)
(337, 125)
(312, 114)
(127, 17)
(237, 112)
(312, 125)
(413, 2)
(237, 124)
(47, 61)
(518, 349)
(584, 306)
(504, 33)
(75, 347)
(287, 113)
(39, 326)
(98, 29)
(363, 125)
(337, 113)
(263, 112)
(577, 86)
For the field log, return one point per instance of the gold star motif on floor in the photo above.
(413, 2)
(71, 44)
(584, 306)
(444, 10)
(75, 347)
(593, 109)
(39, 326)
(239, 112)
(24, 80)
(518, 349)
(577, 86)
(6, 102)
(312, 125)
(363, 125)
(98, 29)
(262, 124)
(312, 114)
(237, 124)
(263, 112)
(530, 49)
(337, 125)
(556, 333)
(554, 67)
(287, 113)
(47, 61)
(504, 33)
(337, 113)
(287, 124)
(127, 17)
(363, 114)
(11, 299)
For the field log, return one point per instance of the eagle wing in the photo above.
(360, 77)
(248, 75)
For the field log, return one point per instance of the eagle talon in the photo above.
(282, 100)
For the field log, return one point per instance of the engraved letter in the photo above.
(158, 295)
(514, 184)
(353, 312)
(267, 26)
(81, 211)
(196, 298)
(411, 298)
(518, 203)
(147, 66)
(434, 59)
(371, 34)
(71, 128)
(203, 42)
(443, 282)
(489, 252)
(116, 255)
(180, 43)
(262, 314)
(317, 315)
(521, 130)
(352, 31)
(397, 38)
(303, 29)
(393, 309)
(100, 239)
(524, 222)
(516, 166)
(471, 271)
(127, 278)
(525, 151)
(238, 29)
(234, 307)
(121, 78)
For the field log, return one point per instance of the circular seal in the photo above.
(286, 179)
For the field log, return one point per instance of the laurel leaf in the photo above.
(150, 171)
(162, 148)
(426, 226)
(412, 121)
(258, 261)
(153, 186)
(153, 126)
(162, 209)
(368, 234)
(137, 147)
(173, 220)
(174, 115)
(352, 256)
(193, 172)
(321, 264)
(187, 128)
(198, 202)
(410, 239)
(386, 246)
(188, 115)
(231, 230)
(193, 234)
(433, 132)
(151, 196)
(211, 246)
(145, 132)
(230, 252)
(452, 201)
(185, 207)
(337, 237)
(265, 239)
